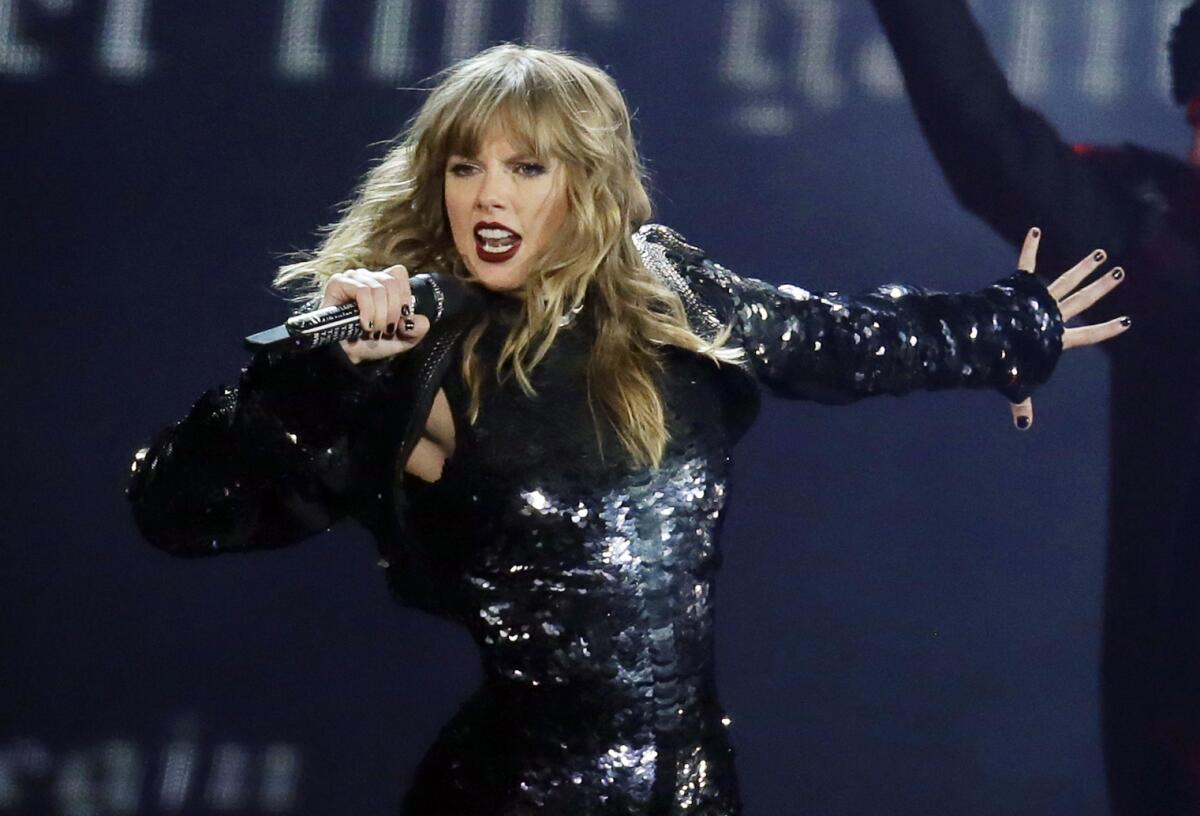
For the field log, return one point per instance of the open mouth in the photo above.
(495, 243)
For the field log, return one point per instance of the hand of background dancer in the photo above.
(385, 305)
(1071, 301)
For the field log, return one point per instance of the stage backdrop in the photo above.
(909, 607)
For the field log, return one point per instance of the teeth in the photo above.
(496, 240)
(495, 234)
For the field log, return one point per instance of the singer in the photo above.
(551, 469)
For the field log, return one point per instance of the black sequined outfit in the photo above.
(586, 581)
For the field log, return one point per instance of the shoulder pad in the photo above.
(676, 263)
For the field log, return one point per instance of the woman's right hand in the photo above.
(385, 303)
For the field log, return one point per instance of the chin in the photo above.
(499, 279)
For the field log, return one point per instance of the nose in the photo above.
(493, 191)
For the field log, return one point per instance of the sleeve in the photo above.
(260, 465)
(892, 340)
(1004, 162)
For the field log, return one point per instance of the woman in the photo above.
(551, 470)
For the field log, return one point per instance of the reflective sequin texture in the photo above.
(587, 584)
(586, 581)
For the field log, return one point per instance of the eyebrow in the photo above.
(516, 158)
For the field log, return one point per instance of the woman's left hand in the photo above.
(1071, 301)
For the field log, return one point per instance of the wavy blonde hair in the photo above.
(558, 106)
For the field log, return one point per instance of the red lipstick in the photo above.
(492, 234)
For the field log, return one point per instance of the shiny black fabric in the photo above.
(587, 581)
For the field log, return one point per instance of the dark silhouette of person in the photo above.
(1010, 167)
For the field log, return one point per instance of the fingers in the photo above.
(395, 280)
(1069, 280)
(355, 286)
(1027, 261)
(391, 315)
(371, 297)
(1022, 414)
(1087, 296)
(413, 329)
(1098, 333)
(372, 304)
(384, 299)
(385, 306)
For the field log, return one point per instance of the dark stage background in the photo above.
(911, 594)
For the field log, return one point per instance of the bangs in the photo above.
(519, 103)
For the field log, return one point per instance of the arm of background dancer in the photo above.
(1004, 162)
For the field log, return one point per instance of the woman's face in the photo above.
(504, 207)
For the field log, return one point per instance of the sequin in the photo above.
(586, 581)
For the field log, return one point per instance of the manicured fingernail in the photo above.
(1118, 273)
(352, 340)
(377, 335)
(1126, 321)
(1023, 423)
(405, 310)
(1035, 232)
(389, 335)
(409, 325)
(391, 328)
(1099, 256)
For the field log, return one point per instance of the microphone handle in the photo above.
(334, 323)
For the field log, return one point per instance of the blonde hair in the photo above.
(555, 106)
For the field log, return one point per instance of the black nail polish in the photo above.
(1118, 273)
(404, 310)
(1035, 232)
(391, 329)
(1023, 423)
(352, 340)
(388, 335)
(409, 325)
(1126, 321)
(1099, 256)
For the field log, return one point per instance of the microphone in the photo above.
(436, 296)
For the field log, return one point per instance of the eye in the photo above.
(460, 168)
(529, 168)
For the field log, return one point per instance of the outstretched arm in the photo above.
(1003, 160)
(897, 338)
(835, 348)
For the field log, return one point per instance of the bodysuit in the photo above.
(585, 579)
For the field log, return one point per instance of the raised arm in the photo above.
(1004, 161)
(259, 465)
